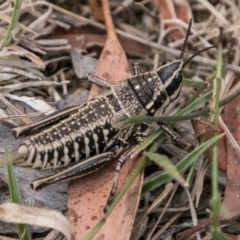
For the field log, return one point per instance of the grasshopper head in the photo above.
(170, 73)
(171, 76)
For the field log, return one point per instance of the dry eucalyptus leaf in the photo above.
(231, 200)
(87, 196)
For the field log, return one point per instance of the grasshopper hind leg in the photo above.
(75, 171)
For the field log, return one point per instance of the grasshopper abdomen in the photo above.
(85, 133)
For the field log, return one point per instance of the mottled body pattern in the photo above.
(93, 128)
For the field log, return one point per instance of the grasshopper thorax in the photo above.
(170, 74)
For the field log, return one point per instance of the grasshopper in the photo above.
(85, 138)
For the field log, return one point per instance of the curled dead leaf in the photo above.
(205, 131)
(201, 127)
(14, 213)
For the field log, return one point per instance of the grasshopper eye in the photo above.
(165, 62)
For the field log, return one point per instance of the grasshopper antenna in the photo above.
(197, 53)
(185, 44)
(186, 39)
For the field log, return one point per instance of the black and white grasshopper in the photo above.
(85, 138)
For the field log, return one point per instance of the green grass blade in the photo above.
(14, 20)
(196, 104)
(23, 230)
(164, 162)
(216, 203)
(192, 83)
(218, 234)
(201, 88)
(150, 140)
(185, 112)
(185, 163)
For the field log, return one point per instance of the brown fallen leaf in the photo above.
(201, 127)
(96, 41)
(173, 9)
(204, 130)
(87, 196)
(231, 200)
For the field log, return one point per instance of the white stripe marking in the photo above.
(87, 149)
(95, 138)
